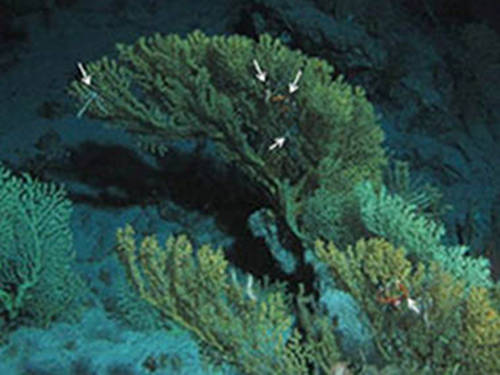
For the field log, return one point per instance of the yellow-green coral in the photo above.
(165, 88)
(482, 331)
(249, 327)
(455, 330)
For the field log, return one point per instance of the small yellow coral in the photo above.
(481, 335)
(442, 326)
(248, 327)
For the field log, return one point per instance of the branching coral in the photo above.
(165, 88)
(453, 329)
(194, 289)
(36, 252)
(393, 218)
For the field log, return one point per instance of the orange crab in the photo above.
(393, 300)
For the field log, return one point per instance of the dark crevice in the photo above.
(116, 177)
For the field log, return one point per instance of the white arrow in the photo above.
(278, 142)
(249, 289)
(292, 87)
(261, 75)
(412, 305)
(85, 77)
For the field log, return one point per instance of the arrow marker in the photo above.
(292, 87)
(278, 142)
(249, 290)
(261, 75)
(412, 305)
(85, 77)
